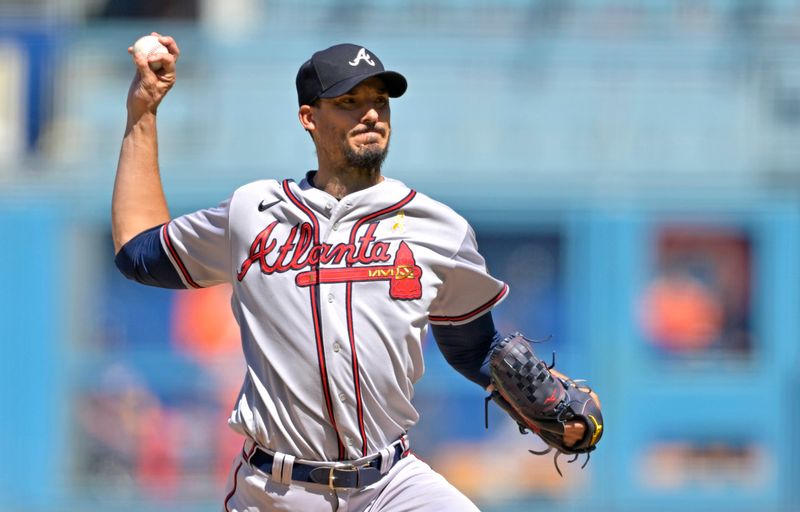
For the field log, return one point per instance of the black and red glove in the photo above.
(542, 400)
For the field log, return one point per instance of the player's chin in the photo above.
(367, 156)
(370, 148)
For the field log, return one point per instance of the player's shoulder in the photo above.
(426, 207)
(258, 187)
(434, 224)
(259, 190)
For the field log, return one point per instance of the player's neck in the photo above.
(341, 182)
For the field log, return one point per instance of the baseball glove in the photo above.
(542, 400)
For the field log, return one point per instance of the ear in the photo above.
(306, 116)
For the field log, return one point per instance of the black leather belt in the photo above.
(342, 475)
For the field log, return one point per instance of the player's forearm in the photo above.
(466, 347)
(138, 202)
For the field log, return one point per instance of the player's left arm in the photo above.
(467, 348)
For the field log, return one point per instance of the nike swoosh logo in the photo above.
(265, 206)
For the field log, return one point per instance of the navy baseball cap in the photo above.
(334, 71)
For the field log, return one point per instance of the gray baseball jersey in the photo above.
(333, 299)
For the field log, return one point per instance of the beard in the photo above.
(368, 157)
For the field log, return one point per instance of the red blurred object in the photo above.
(682, 314)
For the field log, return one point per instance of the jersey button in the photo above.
(330, 297)
(336, 347)
(336, 226)
(342, 397)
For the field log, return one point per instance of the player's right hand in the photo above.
(149, 87)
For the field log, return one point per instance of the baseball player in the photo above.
(336, 279)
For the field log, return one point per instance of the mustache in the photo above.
(369, 129)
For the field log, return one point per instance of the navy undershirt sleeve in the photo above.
(466, 347)
(144, 260)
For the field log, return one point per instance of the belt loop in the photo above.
(286, 473)
(387, 458)
(277, 466)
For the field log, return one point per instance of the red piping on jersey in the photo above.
(349, 304)
(177, 258)
(315, 313)
(236, 475)
(474, 312)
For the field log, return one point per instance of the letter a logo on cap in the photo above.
(362, 55)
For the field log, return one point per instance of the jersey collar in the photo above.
(362, 202)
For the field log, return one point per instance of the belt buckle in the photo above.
(331, 477)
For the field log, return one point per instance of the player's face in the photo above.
(354, 129)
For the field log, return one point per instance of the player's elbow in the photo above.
(125, 262)
(142, 259)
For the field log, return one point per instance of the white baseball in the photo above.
(149, 45)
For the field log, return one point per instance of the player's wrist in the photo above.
(144, 118)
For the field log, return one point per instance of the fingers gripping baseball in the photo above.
(155, 75)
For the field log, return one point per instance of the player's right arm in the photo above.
(187, 252)
(138, 202)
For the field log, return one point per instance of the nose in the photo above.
(370, 117)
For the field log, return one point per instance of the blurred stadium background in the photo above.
(632, 169)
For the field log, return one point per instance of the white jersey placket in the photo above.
(339, 367)
(341, 355)
(318, 223)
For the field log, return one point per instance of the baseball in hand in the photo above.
(149, 45)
